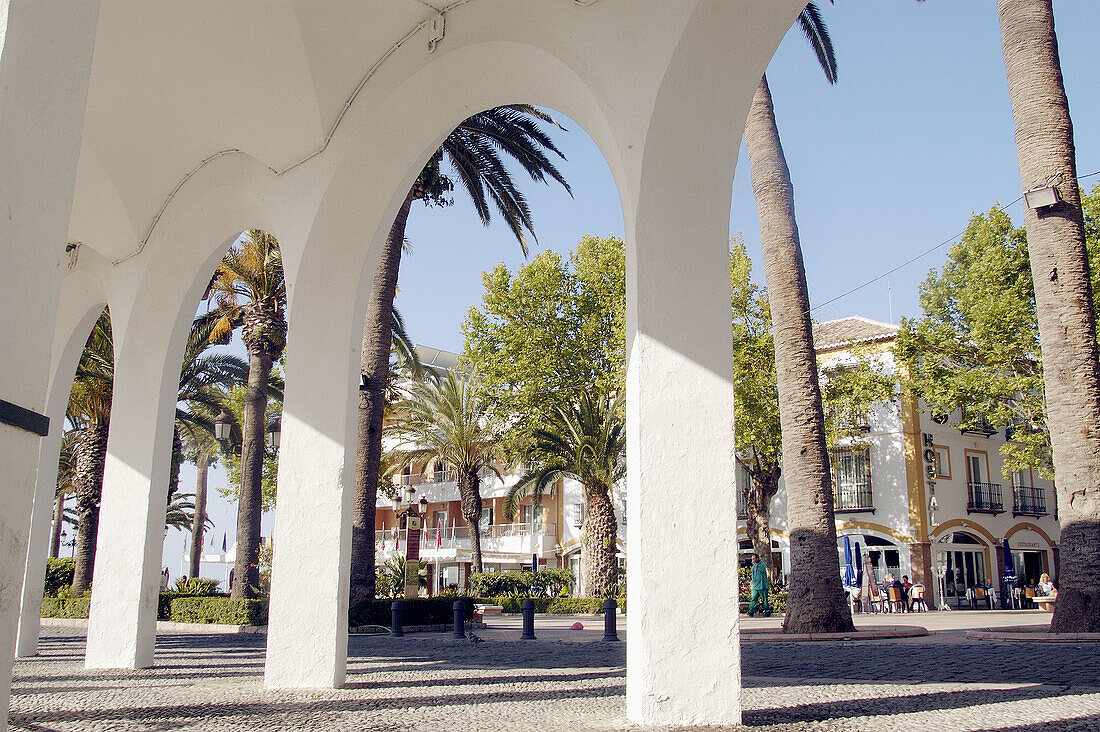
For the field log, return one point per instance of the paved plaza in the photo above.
(569, 680)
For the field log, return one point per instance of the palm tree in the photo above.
(1063, 298)
(89, 409)
(66, 474)
(250, 292)
(816, 602)
(474, 150)
(202, 450)
(446, 420)
(584, 441)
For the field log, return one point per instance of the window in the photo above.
(577, 514)
(975, 471)
(439, 518)
(743, 481)
(942, 461)
(852, 479)
(1023, 478)
(486, 517)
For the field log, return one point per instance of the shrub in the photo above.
(552, 605)
(414, 611)
(59, 573)
(520, 583)
(196, 587)
(66, 607)
(219, 610)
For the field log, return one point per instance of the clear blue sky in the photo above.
(915, 137)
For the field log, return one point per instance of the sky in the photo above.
(915, 137)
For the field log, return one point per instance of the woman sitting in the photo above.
(1046, 587)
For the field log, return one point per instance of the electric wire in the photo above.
(923, 254)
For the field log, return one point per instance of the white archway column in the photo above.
(307, 638)
(126, 580)
(684, 655)
(45, 60)
(75, 321)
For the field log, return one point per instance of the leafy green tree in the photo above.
(553, 328)
(475, 152)
(234, 406)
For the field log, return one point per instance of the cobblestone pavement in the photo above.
(433, 682)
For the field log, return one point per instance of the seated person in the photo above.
(1046, 587)
(891, 582)
(905, 585)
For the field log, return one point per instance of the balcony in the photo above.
(1028, 501)
(984, 498)
(448, 542)
(438, 476)
(742, 505)
(853, 497)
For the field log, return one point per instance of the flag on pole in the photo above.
(396, 539)
(438, 536)
(223, 542)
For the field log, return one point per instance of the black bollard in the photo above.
(460, 619)
(528, 620)
(610, 609)
(395, 619)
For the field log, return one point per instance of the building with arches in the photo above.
(922, 497)
(140, 140)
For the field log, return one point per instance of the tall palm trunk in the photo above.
(246, 576)
(758, 514)
(177, 462)
(58, 519)
(599, 570)
(469, 491)
(1063, 300)
(375, 366)
(91, 456)
(198, 527)
(816, 602)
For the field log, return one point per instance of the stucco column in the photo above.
(45, 59)
(308, 616)
(126, 581)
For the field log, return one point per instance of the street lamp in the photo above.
(395, 501)
(423, 505)
(222, 424)
(274, 432)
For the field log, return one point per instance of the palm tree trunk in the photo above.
(58, 519)
(202, 468)
(375, 366)
(816, 602)
(91, 456)
(599, 570)
(246, 575)
(177, 461)
(764, 486)
(1063, 299)
(469, 491)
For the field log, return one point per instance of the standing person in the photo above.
(758, 594)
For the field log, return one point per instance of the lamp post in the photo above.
(222, 424)
(941, 573)
(274, 434)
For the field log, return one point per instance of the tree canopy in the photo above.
(554, 327)
(974, 357)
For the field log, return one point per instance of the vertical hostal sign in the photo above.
(412, 555)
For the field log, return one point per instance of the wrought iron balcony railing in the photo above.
(1028, 501)
(853, 497)
(984, 498)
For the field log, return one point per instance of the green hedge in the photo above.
(66, 607)
(59, 573)
(219, 610)
(552, 605)
(416, 611)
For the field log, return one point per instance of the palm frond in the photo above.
(813, 27)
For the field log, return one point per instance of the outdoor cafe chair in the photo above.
(874, 599)
(894, 602)
(916, 599)
(1030, 592)
(979, 593)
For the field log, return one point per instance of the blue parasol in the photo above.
(849, 570)
(859, 566)
(1010, 566)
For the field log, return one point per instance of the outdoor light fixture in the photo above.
(222, 424)
(274, 432)
(396, 503)
(410, 494)
(1041, 197)
(423, 505)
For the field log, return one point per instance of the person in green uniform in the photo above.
(758, 594)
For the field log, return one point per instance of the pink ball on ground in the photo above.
(576, 626)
